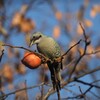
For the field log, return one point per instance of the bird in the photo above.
(49, 48)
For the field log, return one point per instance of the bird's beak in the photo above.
(31, 43)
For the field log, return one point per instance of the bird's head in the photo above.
(36, 38)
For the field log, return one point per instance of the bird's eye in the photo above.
(33, 37)
(40, 36)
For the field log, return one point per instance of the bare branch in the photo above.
(1, 55)
(95, 95)
(93, 52)
(85, 83)
(26, 88)
(71, 48)
(44, 59)
(82, 55)
(51, 91)
(80, 96)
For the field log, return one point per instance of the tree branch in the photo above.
(64, 83)
(93, 52)
(71, 48)
(1, 55)
(44, 59)
(82, 55)
(26, 88)
(86, 83)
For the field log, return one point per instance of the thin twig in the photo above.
(96, 81)
(64, 83)
(70, 91)
(95, 95)
(26, 88)
(80, 96)
(86, 83)
(81, 56)
(93, 52)
(71, 48)
(1, 55)
(45, 59)
(88, 89)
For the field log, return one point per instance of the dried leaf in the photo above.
(17, 18)
(79, 30)
(95, 9)
(69, 27)
(23, 9)
(58, 15)
(98, 49)
(27, 25)
(56, 31)
(86, 2)
(10, 53)
(20, 68)
(90, 49)
(80, 13)
(81, 50)
(93, 13)
(8, 73)
(88, 23)
(17, 53)
(3, 30)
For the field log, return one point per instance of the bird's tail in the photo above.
(55, 76)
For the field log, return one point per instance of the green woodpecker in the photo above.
(49, 48)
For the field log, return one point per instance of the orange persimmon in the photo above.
(31, 60)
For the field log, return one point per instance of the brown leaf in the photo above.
(3, 31)
(95, 9)
(81, 50)
(17, 18)
(56, 31)
(90, 49)
(80, 13)
(20, 68)
(8, 73)
(69, 27)
(79, 30)
(98, 49)
(10, 53)
(24, 9)
(58, 15)
(27, 25)
(87, 23)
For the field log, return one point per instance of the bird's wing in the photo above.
(49, 48)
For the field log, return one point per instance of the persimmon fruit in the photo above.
(31, 60)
